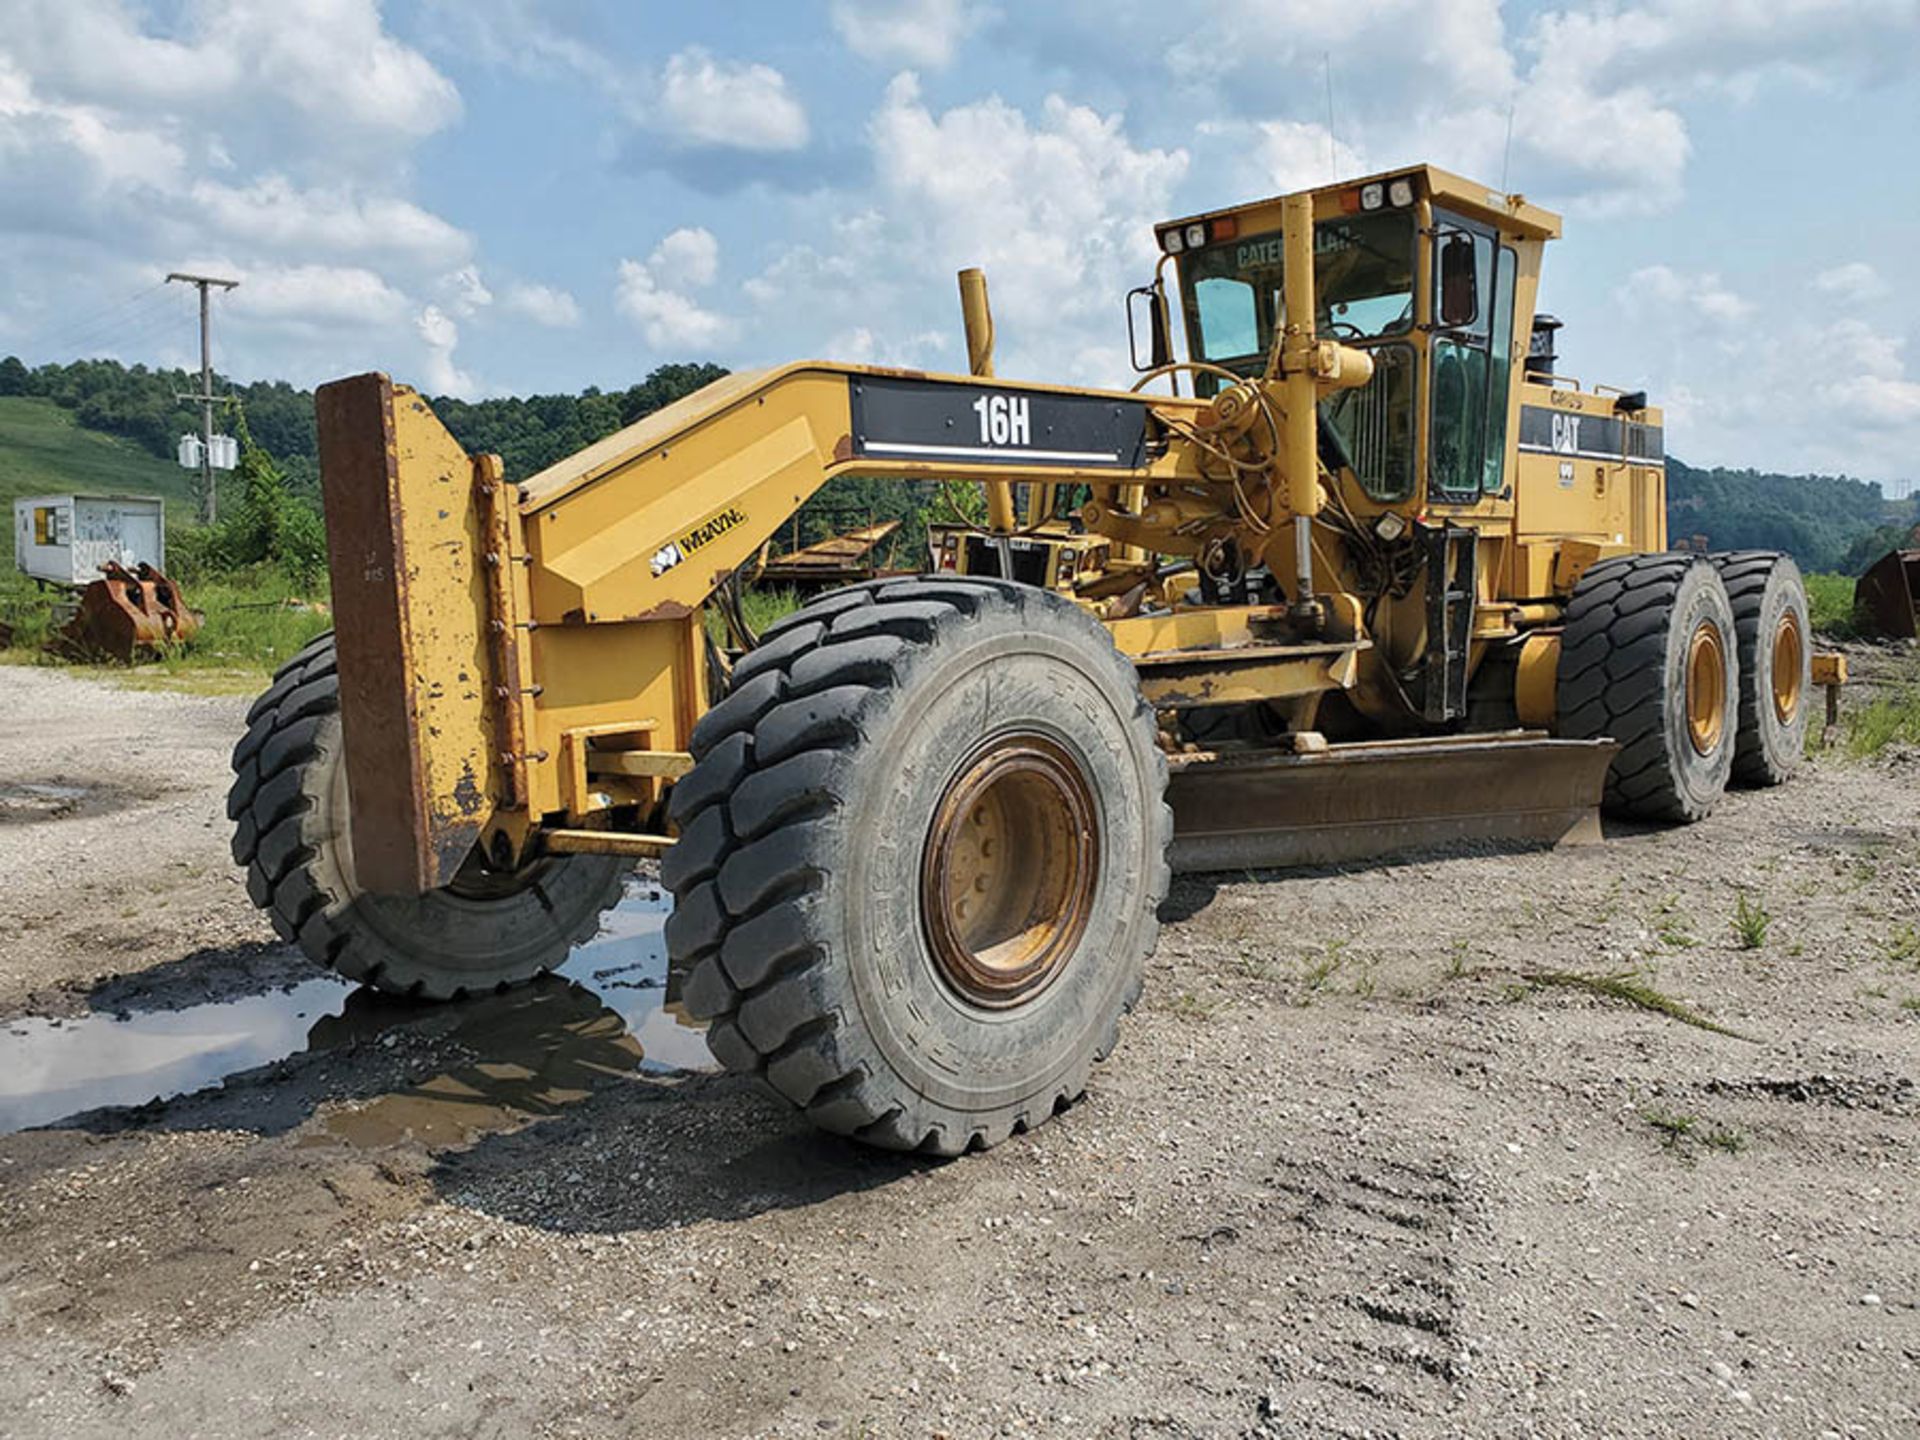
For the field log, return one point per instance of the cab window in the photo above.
(1469, 365)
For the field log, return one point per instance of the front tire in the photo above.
(1648, 658)
(290, 810)
(921, 859)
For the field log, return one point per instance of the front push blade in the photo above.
(1509, 790)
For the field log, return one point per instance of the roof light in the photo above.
(1225, 227)
(1196, 235)
(1400, 193)
(1172, 242)
(1373, 196)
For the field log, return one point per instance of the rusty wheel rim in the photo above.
(1788, 661)
(1009, 871)
(1706, 687)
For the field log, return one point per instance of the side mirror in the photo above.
(1459, 283)
(1159, 345)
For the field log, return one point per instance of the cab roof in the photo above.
(1513, 214)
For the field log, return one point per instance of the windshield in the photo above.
(1363, 284)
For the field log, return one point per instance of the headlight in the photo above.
(1172, 241)
(1196, 236)
(1400, 193)
(1373, 196)
(1067, 558)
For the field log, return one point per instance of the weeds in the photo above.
(1891, 719)
(1626, 986)
(1685, 1135)
(1315, 973)
(1750, 922)
(1670, 925)
(1457, 955)
(1903, 946)
(1830, 605)
(1188, 1006)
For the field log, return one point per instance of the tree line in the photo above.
(1827, 522)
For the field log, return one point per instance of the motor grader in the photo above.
(1374, 576)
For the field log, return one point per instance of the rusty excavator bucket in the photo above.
(1376, 799)
(125, 612)
(1889, 593)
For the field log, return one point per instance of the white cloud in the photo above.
(1856, 281)
(1058, 210)
(330, 65)
(730, 104)
(466, 293)
(923, 33)
(316, 294)
(279, 216)
(652, 293)
(686, 258)
(441, 336)
(543, 305)
(1664, 290)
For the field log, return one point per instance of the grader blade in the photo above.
(1379, 798)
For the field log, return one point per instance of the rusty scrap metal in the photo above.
(125, 612)
(1889, 594)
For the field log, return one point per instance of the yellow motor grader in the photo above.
(1372, 575)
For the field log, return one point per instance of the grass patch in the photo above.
(1627, 987)
(1830, 605)
(1903, 946)
(1686, 1135)
(760, 609)
(1750, 922)
(1889, 719)
(1670, 925)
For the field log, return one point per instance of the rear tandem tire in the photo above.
(1648, 658)
(1776, 662)
(829, 787)
(290, 813)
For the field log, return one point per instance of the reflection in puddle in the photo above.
(612, 1009)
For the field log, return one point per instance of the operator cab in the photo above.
(1423, 270)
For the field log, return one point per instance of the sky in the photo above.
(490, 197)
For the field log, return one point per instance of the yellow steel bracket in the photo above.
(412, 598)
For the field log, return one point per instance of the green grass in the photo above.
(1750, 922)
(1889, 719)
(1629, 988)
(1830, 605)
(43, 452)
(1683, 1135)
(761, 608)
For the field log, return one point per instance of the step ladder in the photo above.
(1453, 592)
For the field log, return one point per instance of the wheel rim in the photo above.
(1706, 687)
(1787, 664)
(1009, 870)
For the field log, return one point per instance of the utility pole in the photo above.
(209, 507)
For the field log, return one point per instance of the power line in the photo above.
(64, 332)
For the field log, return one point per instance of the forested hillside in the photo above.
(1828, 522)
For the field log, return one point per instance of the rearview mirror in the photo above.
(1159, 344)
(1459, 283)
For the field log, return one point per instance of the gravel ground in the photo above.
(1351, 1171)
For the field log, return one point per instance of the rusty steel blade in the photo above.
(1379, 798)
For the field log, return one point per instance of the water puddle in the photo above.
(612, 1009)
(40, 800)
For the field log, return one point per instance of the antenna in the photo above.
(1506, 156)
(1333, 162)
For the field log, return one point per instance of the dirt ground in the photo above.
(1351, 1171)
